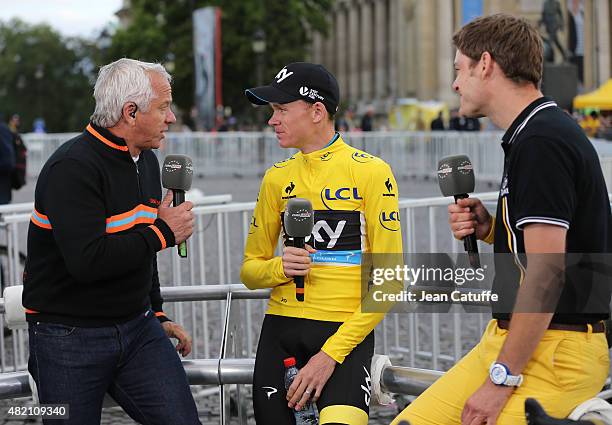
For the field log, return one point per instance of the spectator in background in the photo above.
(590, 124)
(7, 162)
(15, 123)
(455, 122)
(18, 176)
(471, 124)
(438, 123)
(367, 120)
(461, 123)
(342, 124)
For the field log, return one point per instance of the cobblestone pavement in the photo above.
(208, 409)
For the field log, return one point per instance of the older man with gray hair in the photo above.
(91, 288)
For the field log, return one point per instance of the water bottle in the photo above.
(308, 415)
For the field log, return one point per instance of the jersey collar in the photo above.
(104, 136)
(325, 154)
(523, 118)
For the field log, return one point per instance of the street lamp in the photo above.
(259, 48)
(39, 74)
(259, 42)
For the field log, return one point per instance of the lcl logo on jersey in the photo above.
(342, 194)
(390, 220)
(361, 157)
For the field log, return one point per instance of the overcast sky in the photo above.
(69, 17)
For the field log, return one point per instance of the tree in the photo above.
(45, 75)
(162, 31)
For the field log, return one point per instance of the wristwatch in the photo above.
(500, 375)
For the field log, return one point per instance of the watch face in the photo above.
(498, 374)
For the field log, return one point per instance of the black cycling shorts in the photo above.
(346, 391)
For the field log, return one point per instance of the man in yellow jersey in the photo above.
(355, 199)
(552, 201)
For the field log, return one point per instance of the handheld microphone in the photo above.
(298, 221)
(456, 178)
(177, 174)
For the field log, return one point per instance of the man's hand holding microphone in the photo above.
(469, 219)
(177, 175)
(468, 216)
(180, 219)
(298, 223)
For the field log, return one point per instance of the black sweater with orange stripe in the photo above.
(94, 234)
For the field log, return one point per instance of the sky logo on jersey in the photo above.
(342, 194)
(390, 220)
(333, 234)
(337, 235)
(362, 157)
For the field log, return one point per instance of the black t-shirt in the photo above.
(552, 175)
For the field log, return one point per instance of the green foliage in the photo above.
(44, 75)
(162, 31)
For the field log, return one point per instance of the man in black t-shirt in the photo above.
(553, 210)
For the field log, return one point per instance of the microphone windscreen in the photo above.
(298, 218)
(456, 175)
(177, 172)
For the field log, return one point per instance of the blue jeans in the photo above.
(134, 362)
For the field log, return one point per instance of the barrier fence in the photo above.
(247, 154)
(228, 373)
(433, 341)
(230, 327)
(215, 256)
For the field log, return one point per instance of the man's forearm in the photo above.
(538, 294)
(526, 331)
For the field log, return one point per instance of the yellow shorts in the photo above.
(566, 369)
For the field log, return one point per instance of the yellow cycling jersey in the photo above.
(355, 201)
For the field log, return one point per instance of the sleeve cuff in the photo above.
(491, 235)
(159, 235)
(543, 220)
(161, 316)
(280, 271)
(332, 353)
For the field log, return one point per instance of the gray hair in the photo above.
(122, 81)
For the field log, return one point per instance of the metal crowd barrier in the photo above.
(427, 340)
(249, 154)
(215, 256)
(229, 371)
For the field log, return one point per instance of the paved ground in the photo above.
(245, 190)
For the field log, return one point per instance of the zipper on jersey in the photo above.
(138, 180)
